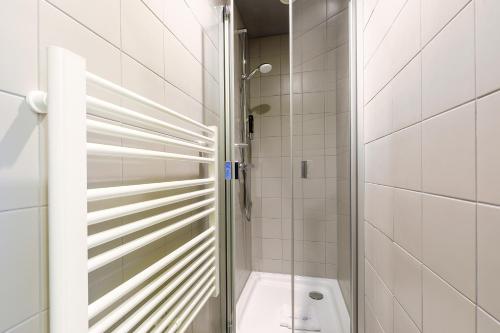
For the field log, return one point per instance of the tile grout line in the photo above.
(476, 276)
(422, 47)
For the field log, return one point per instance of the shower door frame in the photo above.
(356, 310)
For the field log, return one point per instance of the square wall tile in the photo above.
(448, 153)
(488, 154)
(488, 265)
(445, 309)
(449, 241)
(448, 65)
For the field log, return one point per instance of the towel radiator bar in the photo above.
(167, 295)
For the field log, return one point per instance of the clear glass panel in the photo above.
(262, 198)
(321, 165)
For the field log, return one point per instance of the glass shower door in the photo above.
(320, 165)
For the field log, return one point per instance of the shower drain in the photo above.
(316, 295)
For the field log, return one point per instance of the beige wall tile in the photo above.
(488, 266)
(449, 242)
(408, 284)
(448, 65)
(103, 17)
(488, 73)
(137, 22)
(488, 156)
(408, 221)
(435, 15)
(445, 310)
(448, 153)
(486, 323)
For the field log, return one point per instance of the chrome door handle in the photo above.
(241, 145)
(304, 169)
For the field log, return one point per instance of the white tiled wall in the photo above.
(165, 50)
(320, 71)
(432, 210)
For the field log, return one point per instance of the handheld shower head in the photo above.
(263, 68)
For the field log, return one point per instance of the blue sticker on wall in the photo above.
(227, 170)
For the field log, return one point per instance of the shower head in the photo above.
(263, 68)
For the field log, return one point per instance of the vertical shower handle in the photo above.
(304, 169)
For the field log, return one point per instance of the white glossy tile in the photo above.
(437, 14)
(406, 158)
(371, 323)
(19, 147)
(271, 187)
(271, 126)
(378, 115)
(379, 207)
(38, 323)
(271, 208)
(314, 42)
(379, 297)
(337, 30)
(403, 322)
(181, 22)
(408, 284)
(448, 66)
(444, 309)
(488, 49)
(488, 266)
(449, 241)
(448, 153)
(137, 22)
(18, 40)
(407, 95)
(380, 22)
(313, 102)
(488, 155)
(101, 17)
(20, 265)
(272, 249)
(408, 221)
(270, 86)
(58, 29)
(400, 45)
(182, 69)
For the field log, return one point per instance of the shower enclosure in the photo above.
(290, 128)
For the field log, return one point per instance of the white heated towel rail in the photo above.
(167, 295)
